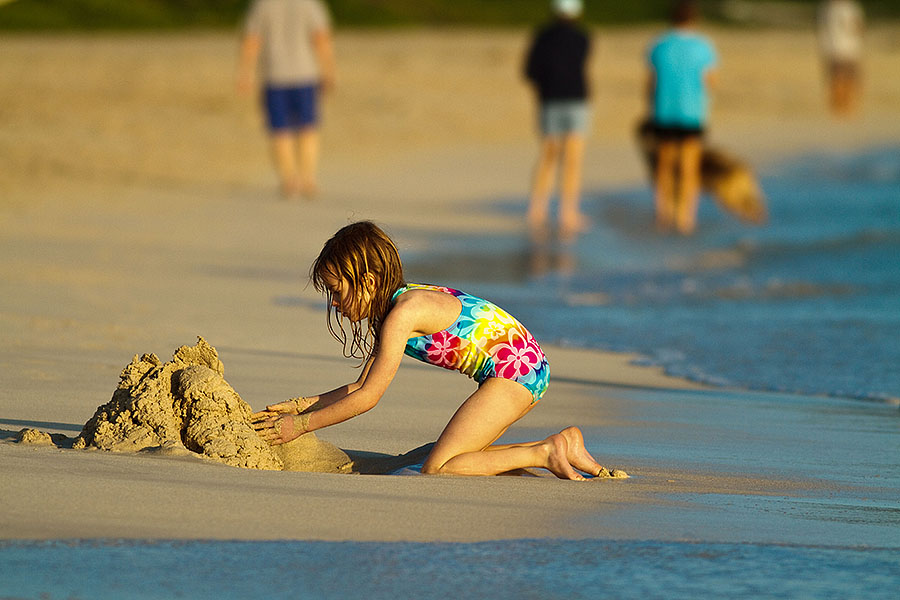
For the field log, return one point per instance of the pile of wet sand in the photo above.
(185, 407)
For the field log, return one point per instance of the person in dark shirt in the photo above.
(555, 66)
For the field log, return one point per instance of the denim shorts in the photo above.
(291, 107)
(558, 117)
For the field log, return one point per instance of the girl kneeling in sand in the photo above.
(359, 268)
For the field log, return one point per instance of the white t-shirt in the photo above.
(286, 29)
(840, 29)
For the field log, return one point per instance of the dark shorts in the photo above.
(676, 133)
(291, 107)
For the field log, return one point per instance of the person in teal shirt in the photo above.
(682, 66)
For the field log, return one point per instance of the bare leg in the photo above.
(483, 417)
(688, 185)
(549, 454)
(284, 154)
(844, 93)
(542, 183)
(854, 93)
(664, 181)
(571, 219)
(835, 94)
(307, 160)
(576, 453)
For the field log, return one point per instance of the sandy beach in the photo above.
(138, 210)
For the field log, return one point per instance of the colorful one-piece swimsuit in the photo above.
(484, 341)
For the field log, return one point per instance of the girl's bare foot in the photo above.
(577, 454)
(557, 461)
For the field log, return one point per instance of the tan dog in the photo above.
(725, 177)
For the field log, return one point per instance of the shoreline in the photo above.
(148, 497)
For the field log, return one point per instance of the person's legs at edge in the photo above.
(664, 184)
(836, 88)
(480, 421)
(841, 94)
(691, 151)
(844, 89)
(542, 183)
(571, 219)
(307, 160)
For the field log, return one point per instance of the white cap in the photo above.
(567, 8)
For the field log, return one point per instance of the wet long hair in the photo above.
(355, 251)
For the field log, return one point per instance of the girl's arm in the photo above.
(376, 377)
(351, 400)
(296, 406)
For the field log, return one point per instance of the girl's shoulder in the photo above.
(413, 287)
(424, 308)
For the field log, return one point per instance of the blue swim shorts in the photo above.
(559, 117)
(291, 107)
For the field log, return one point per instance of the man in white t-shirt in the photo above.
(287, 48)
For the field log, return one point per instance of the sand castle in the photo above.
(186, 406)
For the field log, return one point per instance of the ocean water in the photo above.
(516, 569)
(808, 303)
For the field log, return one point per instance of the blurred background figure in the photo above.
(555, 65)
(682, 66)
(287, 49)
(840, 26)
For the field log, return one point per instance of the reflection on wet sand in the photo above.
(549, 253)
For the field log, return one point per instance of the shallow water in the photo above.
(516, 569)
(809, 303)
(837, 538)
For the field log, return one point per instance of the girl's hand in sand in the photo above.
(294, 406)
(283, 429)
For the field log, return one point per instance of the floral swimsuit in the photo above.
(484, 341)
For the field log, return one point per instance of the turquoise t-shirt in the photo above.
(680, 60)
